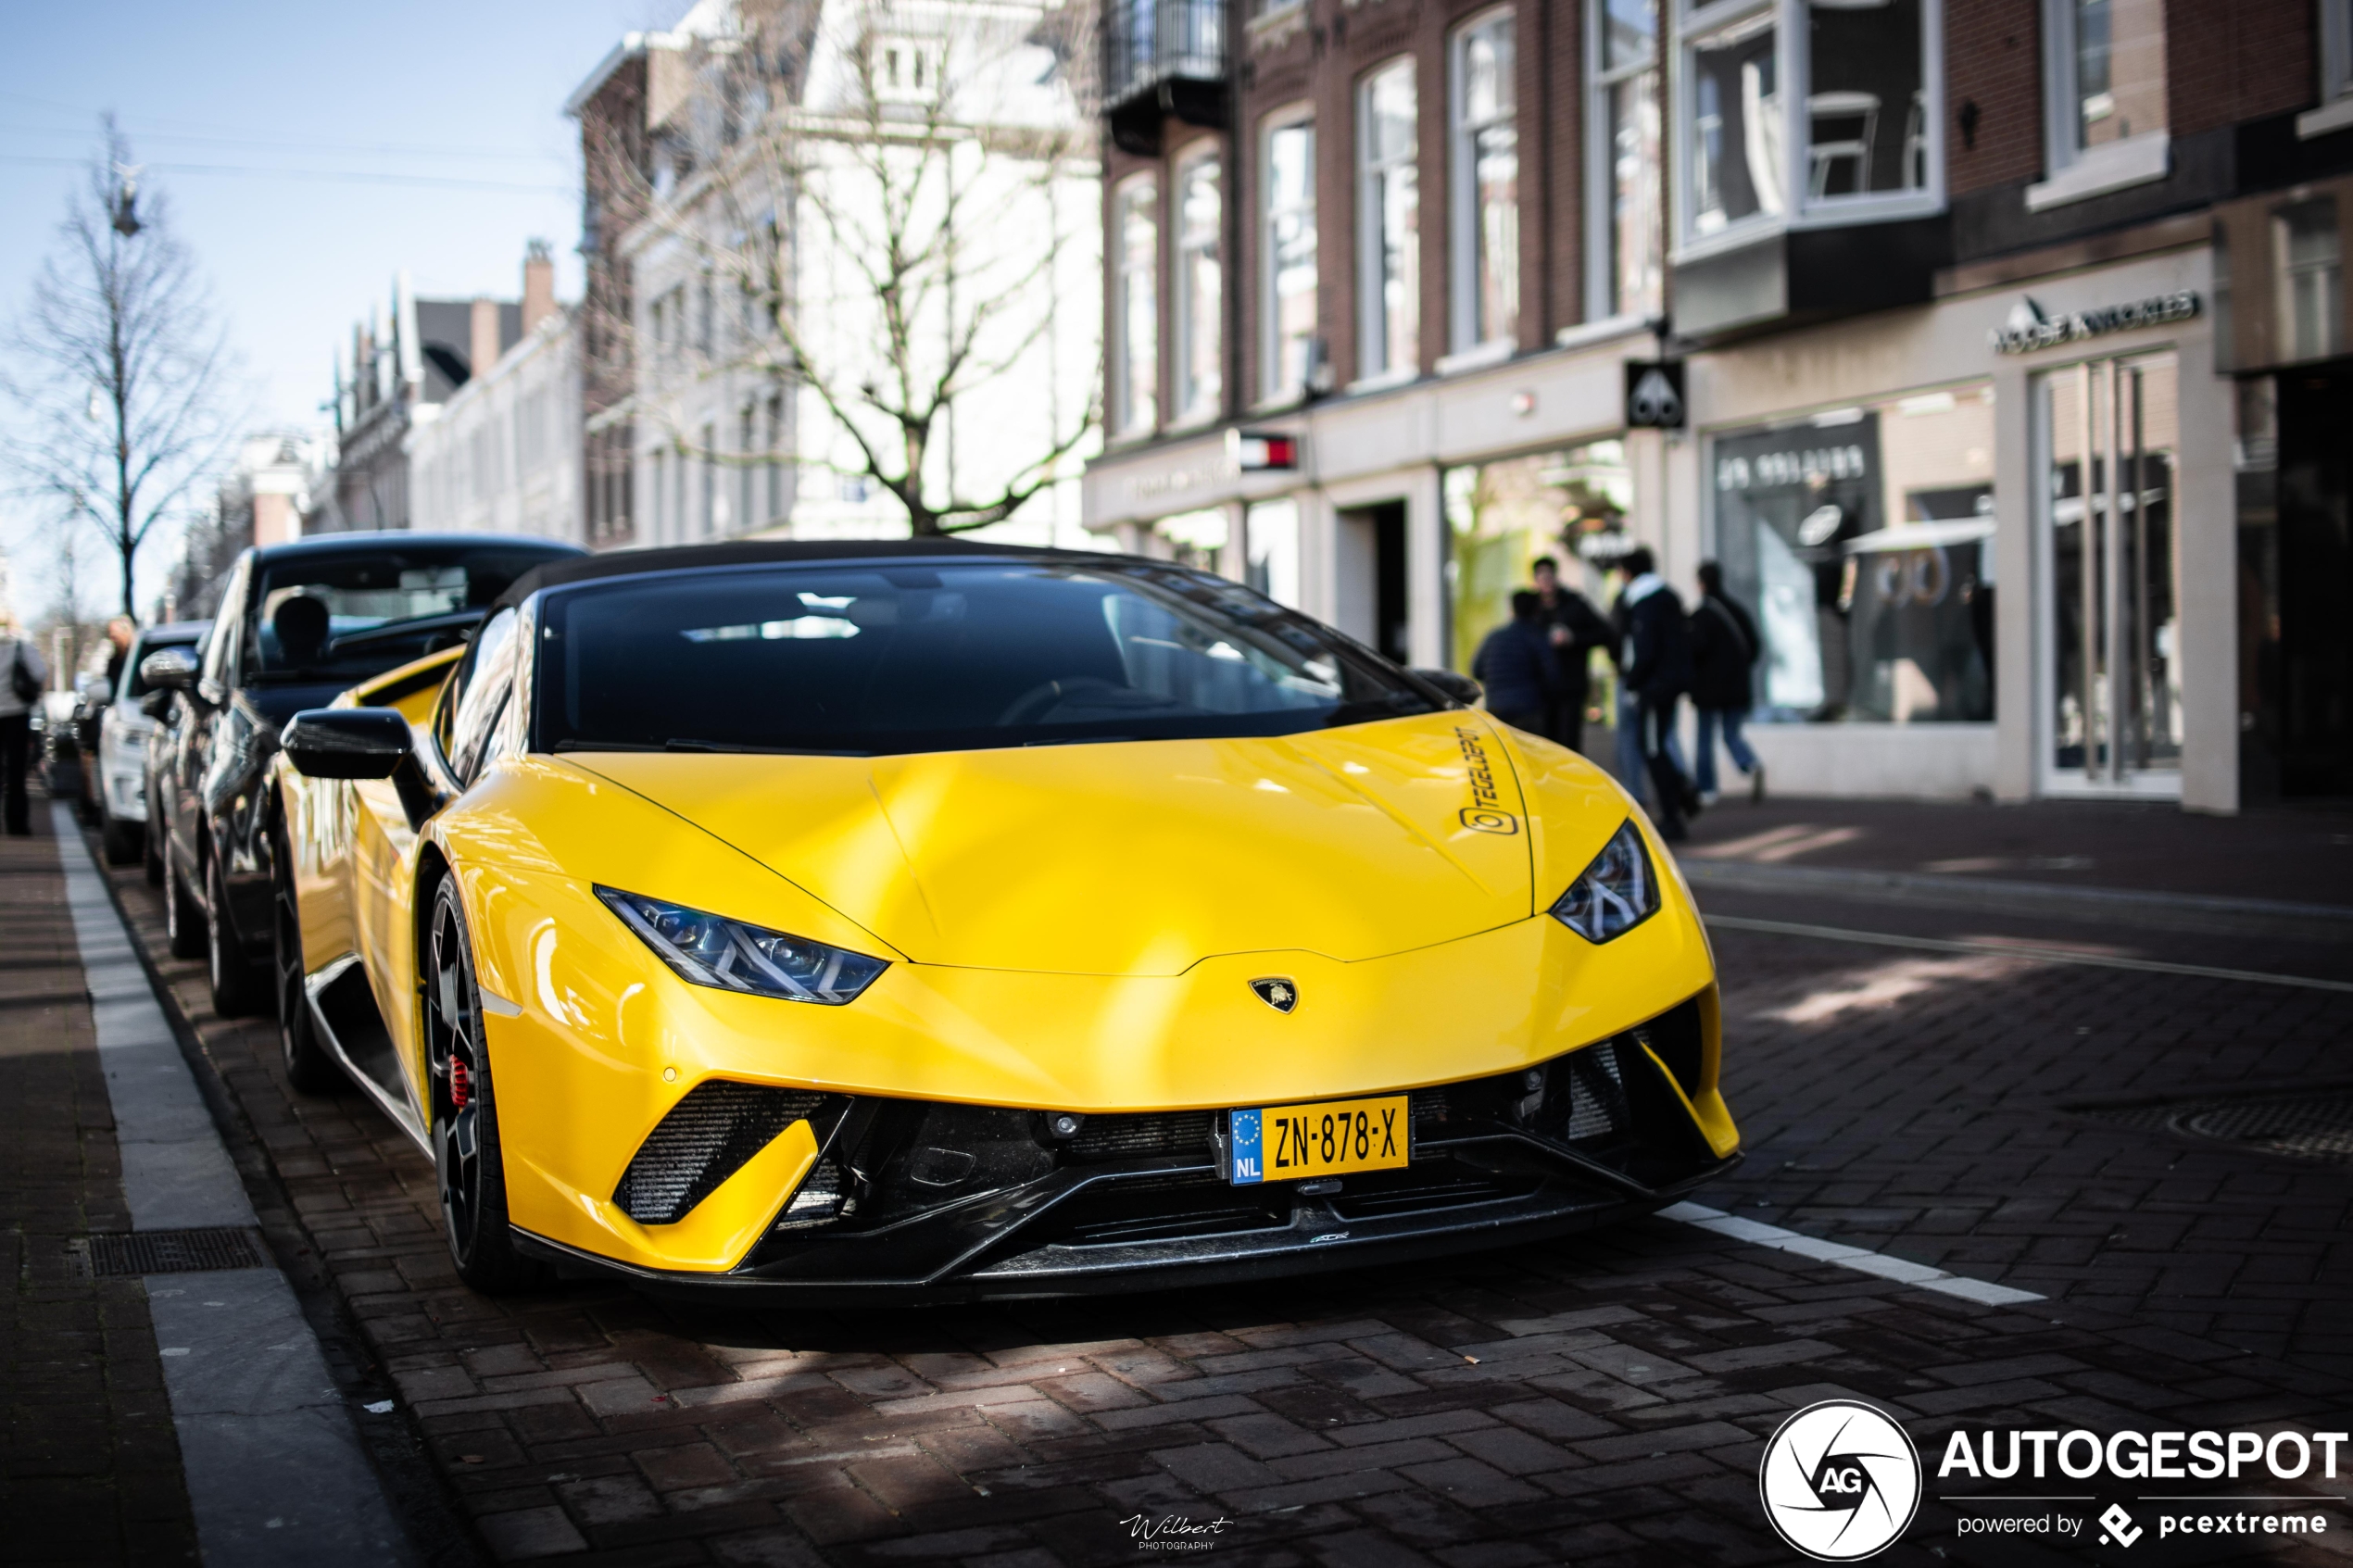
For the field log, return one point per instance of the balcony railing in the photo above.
(1162, 57)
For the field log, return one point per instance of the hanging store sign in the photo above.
(2027, 329)
(1655, 394)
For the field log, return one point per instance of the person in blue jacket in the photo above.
(1515, 663)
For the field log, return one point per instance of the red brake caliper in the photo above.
(459, 1089)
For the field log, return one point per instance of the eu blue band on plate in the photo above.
(1248, 1167)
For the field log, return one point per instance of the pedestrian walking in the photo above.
(22, 678)
(1575, 628)
(1515, 664)
(1724, 650)
(1655, 663)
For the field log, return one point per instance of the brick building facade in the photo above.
(2010, 336)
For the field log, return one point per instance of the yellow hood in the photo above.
(1133, 858)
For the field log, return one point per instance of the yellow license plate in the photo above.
(1289, 1142)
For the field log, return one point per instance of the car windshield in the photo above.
(870, 660)
(345, 618)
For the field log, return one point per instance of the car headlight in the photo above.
(1616, 894)
(707, 949)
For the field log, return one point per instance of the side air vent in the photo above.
(704, 1140)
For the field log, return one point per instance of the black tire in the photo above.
(466, 1155)
(121, 841)
(183, 921)
(239, 986)
(151, 843)
(309, 1067)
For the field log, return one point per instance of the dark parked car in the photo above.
(298, 623)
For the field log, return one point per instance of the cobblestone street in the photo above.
(1600, 1399)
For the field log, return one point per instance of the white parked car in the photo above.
(123, 740)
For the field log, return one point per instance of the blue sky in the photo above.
(429, 136)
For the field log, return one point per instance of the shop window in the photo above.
(2309, 290)
(1623, 127)
(1861, 539)
(1568, 504)
(1485, 159)
(1288, 226)
(1389, 209)
(1194, 539)
(1271, 548)
(1200, 283)
(1135, 309)
(2106, 434)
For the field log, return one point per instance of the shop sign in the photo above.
(1654, 395)
(2027, 329)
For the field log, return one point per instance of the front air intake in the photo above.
(704, 1140)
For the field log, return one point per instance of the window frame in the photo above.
(2070, 173)
(1601, 186)
(1695, 25)
(1294, 116)
(1128, 424)
(1463, 333)
(1372, 319)
(1186, 408)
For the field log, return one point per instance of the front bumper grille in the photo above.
(704, 1140)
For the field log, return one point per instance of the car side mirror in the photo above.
(345, 742)
(1455, 686)
(92, 688)
(360, 743)
(170, 669)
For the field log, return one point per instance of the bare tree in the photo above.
(128, 368)
(886, 204)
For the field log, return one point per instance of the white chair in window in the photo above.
(1861, 110)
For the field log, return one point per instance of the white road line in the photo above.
(274, 1471)
(1859, 1258)
(2019, 950)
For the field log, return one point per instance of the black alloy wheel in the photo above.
(309, 1067)
(465, 1115)
(238, 985)
(183, 921)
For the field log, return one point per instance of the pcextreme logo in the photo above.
(1839, 1480)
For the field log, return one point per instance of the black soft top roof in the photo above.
(772, 552)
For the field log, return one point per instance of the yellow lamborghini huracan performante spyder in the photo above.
(922, 921)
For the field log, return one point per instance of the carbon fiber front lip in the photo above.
(1308, 1245)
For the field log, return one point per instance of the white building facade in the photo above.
(503, 455)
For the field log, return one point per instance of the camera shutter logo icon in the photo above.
(1840, 1481)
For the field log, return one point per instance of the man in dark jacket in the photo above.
(1724, 648)
(1576, 629)
(1655, 663)
(1516, 666)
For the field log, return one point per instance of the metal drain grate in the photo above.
(166, 1253)
(2302, 1126)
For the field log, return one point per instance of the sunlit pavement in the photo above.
(1603, 1400)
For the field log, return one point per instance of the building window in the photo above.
(2107, 74)
(707, 464)
(660, 477)
(1628, 277)
(1288, 244)
(1738, 166)
(747, 471)
(775, 455)
(1136, 308)
(2336, 51)
(1200, 283)
(1861, 542)
(1867, 123)
(1388, 207)
(1270, 533)
(2310, 288)
(1486, 158)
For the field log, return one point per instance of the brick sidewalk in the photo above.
(2304, 856)
(1601, 1400)
(92, 1466)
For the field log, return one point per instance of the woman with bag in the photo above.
(26, 679)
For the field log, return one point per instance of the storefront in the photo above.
(1989, 542)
